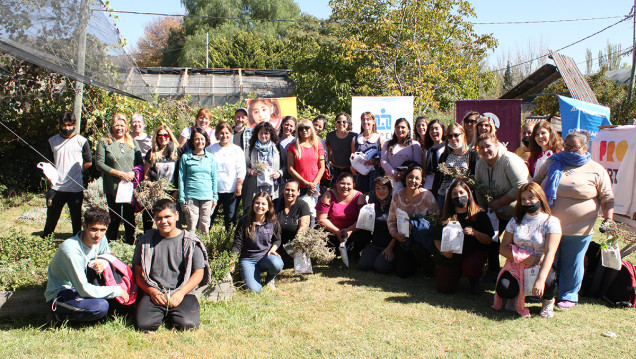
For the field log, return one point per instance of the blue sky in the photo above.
(511, 37)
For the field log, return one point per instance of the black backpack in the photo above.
(617, 287)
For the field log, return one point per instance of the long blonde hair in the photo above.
(155, 151)
(128, 140)
(312, 139)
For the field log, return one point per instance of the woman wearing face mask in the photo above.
(526, 132)
(531, 239)
(399, 149)
(457, 156)
(230, 165)
(414, 200)
(460, 206)
(576, 188)
(435, 146)
(378, 254)
(543, 143)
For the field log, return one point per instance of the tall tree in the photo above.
(508, 79)
(152, 45)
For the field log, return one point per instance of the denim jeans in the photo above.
(569, 261)
(251, 270)
(229, 202)
(68, 305)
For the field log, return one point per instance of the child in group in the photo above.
(264, 110)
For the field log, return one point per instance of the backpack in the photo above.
(117, 273)
(617, 287)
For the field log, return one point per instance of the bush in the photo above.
(24, 260)
(218, 244)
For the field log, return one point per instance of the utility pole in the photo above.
(81, 64)
(631, 80)
(207, 48)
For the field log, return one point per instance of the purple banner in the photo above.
(505, 113)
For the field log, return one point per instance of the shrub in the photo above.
(24, 260)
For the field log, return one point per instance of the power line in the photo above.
(354, 22)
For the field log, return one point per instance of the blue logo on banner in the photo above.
(582, 116)
(384, 121)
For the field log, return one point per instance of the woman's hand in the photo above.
(448, 254)
(340, 236)
(388, 253)
(532, 261)
(399, 237)
(272, 251)
(275, 175)
(253, 172)
(238, 191)
(494, 205)
(126, 176)
(538, 287)
(469, 231)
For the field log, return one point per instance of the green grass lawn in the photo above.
(344, 313)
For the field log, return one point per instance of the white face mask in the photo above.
(459, 145)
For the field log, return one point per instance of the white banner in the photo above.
(386, 111)
(615, 149)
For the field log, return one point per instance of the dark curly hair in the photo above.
(273, 136)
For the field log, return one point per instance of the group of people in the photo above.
(542, 200)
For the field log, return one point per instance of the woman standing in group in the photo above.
(138, 124)
(543, 143)
(230, 165)
(203, 122)
(576, 188)
(256, 240)
(457, 155)
(287, 131)
(503, 173)
(468, 122)
(483, 126)
(293, 216)
(337, 212)
(370, 143)
(117, 156)
(434, 140)
(531, 239)
(339, 146)
(378, 254)
(306, 161)
(399, 149)
(461, 206)
(160, 162)
(419, 134)
(198, 182)
(413, 199)
(266, 165)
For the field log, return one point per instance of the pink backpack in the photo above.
(118, 274)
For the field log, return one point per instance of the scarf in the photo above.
(265, 152)
(555, 172)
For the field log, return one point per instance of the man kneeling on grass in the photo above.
(169, 263)
(68, 292)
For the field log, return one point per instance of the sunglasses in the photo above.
(454, 135)
(470, 121)
(341, 122)
(303, 128)
(163, 135)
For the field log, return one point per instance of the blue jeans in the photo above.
(373, 259)
(251, 271)
(68, 305)
(228, 201)
(569, 261)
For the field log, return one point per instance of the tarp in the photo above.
(386, 111)
(577, 115)
(505, 113)
(615, 150)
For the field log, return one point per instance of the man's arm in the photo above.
(156, 296)
(74, 270)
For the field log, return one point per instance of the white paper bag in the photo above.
(403, 222)
(452, 238)
(124, 192)
(495, 225)
(366, 218)
(302, 263)
(357, 162)
(529, 277)
(264, 179)
(343, 253)
(49, 171)
(611, 258)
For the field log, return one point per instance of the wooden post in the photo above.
(631, 80)
(81, 63)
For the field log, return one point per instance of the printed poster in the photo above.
(505, 113)
(386, 110)
(270, 109)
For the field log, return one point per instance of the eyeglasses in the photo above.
(569, 148)
(454, 135)
(341, 122)
(163, 135)
(303, 128)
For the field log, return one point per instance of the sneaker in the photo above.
(566, 304)
(271, 285)
(547, 308)
(511, 305)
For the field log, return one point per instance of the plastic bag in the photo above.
(611, 257)
(49, 171)
(452, 238)
(264, 178)
(529, 277)
(495, 225)
(366, 218)
(357, 162)
(403, 222)
(343, 253)
(302, 262)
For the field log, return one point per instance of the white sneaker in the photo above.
(547, 308)
(271, 285)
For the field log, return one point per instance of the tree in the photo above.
(421, 48)
(508, 80)
(150, 48)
